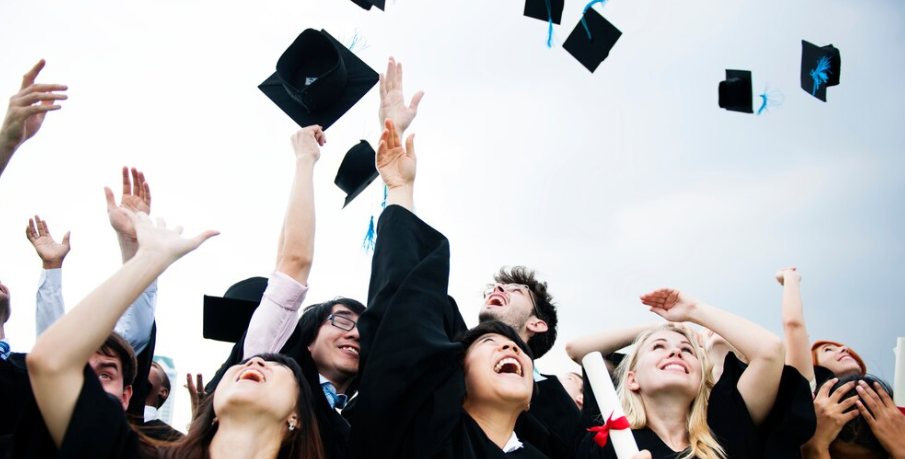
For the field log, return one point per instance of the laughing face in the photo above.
(666, 361)
(335, 350)
(264, 388)
(498, 372)
(837, 359)
(511, 304)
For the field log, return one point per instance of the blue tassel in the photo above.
(358, 42)
(820, 74)
(383, 205)
(371, 238)
(549, 24)
(586, 8)
(770, 99)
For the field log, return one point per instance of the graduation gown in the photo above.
(15, 391)
(409, 404)
(551, 422)
(160, 430)
(332, 426)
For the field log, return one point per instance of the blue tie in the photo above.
(335, 400)
(4, 350)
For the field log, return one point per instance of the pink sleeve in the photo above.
(275, 319)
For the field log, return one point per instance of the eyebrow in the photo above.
(342, 312)
(664, 340)
(112, 365)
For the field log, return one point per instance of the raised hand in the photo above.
(392, 101)
(832, 414)
(670, 304)
(51, 253)
(884, 418)
(643, 454)
(787, 273)
(397, 165)
(197, 394)
(136, 198)
(156, 240)
(307, 142)
(28, 108)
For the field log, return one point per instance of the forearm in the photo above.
(756, 343)
(811, 450)
(128, 246)
(402, 196)
(606, 342)
(276, 317)
(49, 306)
(297, 244)
(798, 349)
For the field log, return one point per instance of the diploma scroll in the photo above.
(899, 384)
(608, 401)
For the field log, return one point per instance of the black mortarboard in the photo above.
(820, 66)
(592, 39)
(545, 9)
(735, 92)
(364, 4)
(357, 170)
(227, 318)
(378, 3)
(318, 79)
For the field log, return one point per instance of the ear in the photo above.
(164, 393)
(631, 382)
(127, 395)
(536, 325)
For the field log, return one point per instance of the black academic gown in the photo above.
(15, 391)
(160, 431)
(412, 386)
(333, 428)
(551, 422)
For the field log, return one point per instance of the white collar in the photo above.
(513, 444)
(151, 413)
(322, 379)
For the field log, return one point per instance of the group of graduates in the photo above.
(402, 376)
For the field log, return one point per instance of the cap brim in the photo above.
(594, 50)
(747, 103)
(226, 319)
(354, 194)
(537, 9)
(361, 79)
(365, 4)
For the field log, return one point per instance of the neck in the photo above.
(667, 415)
(2, 333)
(340, 382)
(496, 421)
(247, 438)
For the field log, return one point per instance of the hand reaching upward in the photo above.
(397, 165)
(51, 252)
(28, 108)
(670, 304)
(392, 100)
(159, 241)
(136, 198)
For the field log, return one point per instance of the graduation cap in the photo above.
(820, 66)
(545, 10)
(227, 318)
(735, 91)
(364, 4)
(318, 79)
(357, 170)
(592, 39)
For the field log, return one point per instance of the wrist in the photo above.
(52, 264)
(698, 312)
(128, 246)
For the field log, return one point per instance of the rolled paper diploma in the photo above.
(608, 401)
(899, 384)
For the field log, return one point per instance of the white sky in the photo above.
(611, 184)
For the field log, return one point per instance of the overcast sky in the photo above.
(611, 184)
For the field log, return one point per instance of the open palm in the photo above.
(136, 198)
(48, 249)
(670, 304)
(397, 165)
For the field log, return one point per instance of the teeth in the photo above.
(674, 367)
(508, 361)
(351, 349)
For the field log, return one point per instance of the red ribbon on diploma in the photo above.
(603, 432)
(902, 409)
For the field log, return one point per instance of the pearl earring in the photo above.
(291, 426)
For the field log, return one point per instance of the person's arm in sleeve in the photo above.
(49, 301)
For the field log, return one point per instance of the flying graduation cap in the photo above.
(226, 318)
(592, 39)
(735, 92)
(356, 171)
(365, 4)
(820, 66)
(549, 11)
(318, 80)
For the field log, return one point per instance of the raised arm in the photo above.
(606, 342)
(49, 302)
(397, 166)
(392, 99)
(765, 352)
(59, 356)
(798, 344)
(26, 112)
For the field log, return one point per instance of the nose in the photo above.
(510, 347)
(255, 361)
(352, 334)
(843, 349)
(498, 287)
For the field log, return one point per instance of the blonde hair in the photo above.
(702, 443)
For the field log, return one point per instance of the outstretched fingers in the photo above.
(29, 78)
(410, 146)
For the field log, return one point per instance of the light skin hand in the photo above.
(397, 166)
(307, 142)
(670, 304)
(392, 100)
(28, 108)
(51, 252)
(788, 273)
(136, 197)
(197, 394)
(159, 242)
(885, 420)
(831, 414)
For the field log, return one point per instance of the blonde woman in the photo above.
(672, 402)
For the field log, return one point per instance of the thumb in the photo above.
(199, 239)
(111, 200)
(66, 239)
(410, 146)
(416, 99)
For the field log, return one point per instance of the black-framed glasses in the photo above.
(342, 322)
(521, 288)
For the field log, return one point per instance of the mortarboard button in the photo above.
(820, 67)
(226, 318)
(318, 80)
(356, 171)
(735, 92)
(592, 39)
(545, 10)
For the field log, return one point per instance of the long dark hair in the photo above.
(302, 443)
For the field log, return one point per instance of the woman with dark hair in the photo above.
(250, 415)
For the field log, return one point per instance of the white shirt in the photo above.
(513, 444)
(151, 413)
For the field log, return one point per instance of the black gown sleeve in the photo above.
(141, 386)
(98, 428)
(410, 385)
(727, 414)
(792, 421)
(551, 422)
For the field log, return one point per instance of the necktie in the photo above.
(335, 400)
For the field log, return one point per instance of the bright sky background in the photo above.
(611, 184)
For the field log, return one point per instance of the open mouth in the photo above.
(251, 374)
(350, 349)
(508, 366)
(678, 368)
(496, 300)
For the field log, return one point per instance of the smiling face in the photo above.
(574, 385)
(512, 306)
(334, 350)
(258, 387)
(666, 363)
(837, 359)
(498, 372)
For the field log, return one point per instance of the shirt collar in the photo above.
(537, 376)
(4, 349)
(151, 413)
(513, 444)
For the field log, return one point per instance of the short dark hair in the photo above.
(541, 342)
(4, 310)
(468, 337)
(857, 431)
(117, 347)
(316, 314)
(164, 382)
